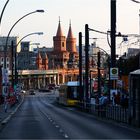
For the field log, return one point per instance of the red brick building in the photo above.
(63, 55)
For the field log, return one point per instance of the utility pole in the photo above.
(139, 28)
(113, 33)
(80, 67)
(87, 63)
(139, 37)
(99, 76)
(12, 47)
(113, 39)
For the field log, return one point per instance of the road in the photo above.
(40, 118)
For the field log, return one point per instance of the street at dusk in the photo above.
(69, 69)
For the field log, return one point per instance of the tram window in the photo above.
(72, 92)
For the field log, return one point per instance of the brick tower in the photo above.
(60, 55)
(71, 48)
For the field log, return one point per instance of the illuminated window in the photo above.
(62, 44)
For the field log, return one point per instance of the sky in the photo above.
(95, 13)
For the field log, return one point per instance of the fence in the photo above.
(116, 113)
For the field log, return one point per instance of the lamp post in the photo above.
(80, 67)
(3, 11)
(136, 1)
(6, 44)
(87, 63)
(15, 55)
(5, 51)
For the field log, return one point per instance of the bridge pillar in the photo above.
(29, 83)
(63, 78)
(58, 82)
(50, 81)
(44, 81)
(38, 83)
(54, 79)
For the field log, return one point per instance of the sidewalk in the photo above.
(5, 116)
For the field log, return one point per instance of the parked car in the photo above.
(51, 86)
(31, 92)
(44, 90)
(23, 91)
(57, 86)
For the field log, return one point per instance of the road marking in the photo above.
(57, 126)
(66, 136)
(6, 120)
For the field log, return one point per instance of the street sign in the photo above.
(5, 79)
(5, 82)
(113, 73)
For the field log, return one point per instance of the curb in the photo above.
(12, 113)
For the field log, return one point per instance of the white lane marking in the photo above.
(66, 136)
(57, 126)
(54, 123)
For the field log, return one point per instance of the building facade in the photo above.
(9, 61)
(26, 60)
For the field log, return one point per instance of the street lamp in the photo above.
(5, 48)
(38, 33)
(3, 11)
(136, 1)
(16, 74)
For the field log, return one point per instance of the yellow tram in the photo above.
(69, 93)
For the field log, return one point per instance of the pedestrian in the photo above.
(103, 100)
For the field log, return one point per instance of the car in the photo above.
(51, 86)
(44, 90)
(23, 91)
(31, 92)
(57, 86)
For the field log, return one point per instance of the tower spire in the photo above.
(70, 34)
(70, 23)
(59, 30)
(71, 41)
(59, 19)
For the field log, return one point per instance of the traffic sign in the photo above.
(113, 73)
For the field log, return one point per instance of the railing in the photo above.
(116, 113)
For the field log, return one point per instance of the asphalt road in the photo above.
(40, 118)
